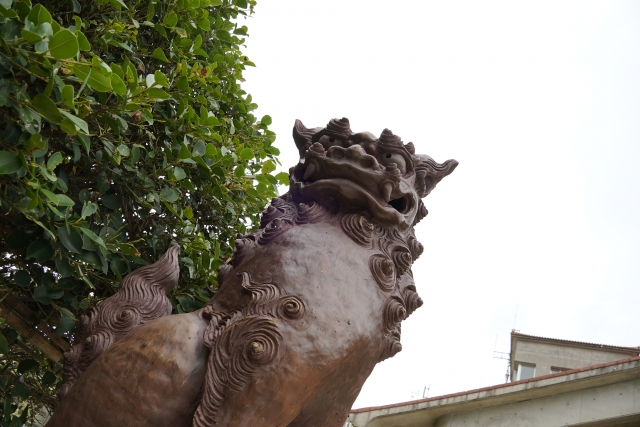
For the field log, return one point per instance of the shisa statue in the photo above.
(307, 306)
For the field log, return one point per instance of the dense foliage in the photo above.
(123, 131)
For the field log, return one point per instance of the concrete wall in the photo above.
(610, 405)
(548, 355)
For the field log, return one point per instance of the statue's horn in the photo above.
(302, 137)
(429, 173)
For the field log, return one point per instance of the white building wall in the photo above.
(609, 405)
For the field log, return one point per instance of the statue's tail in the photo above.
(140, 298)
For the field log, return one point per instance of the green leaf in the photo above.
(204, 24)
(64, 200)
(199, 149)
(63, 266)
(67, 96)
(124, 150)
(179, 173)
(65, 324)
(4, 346)
(112, 201)
(188, 212)
(283, 178)
(38, 15)
(154, 92)
(41, 294)
(49, 379)
(78, 122)
(183, 84)
(98, 81)
(118, 85)
(159, 54)
(90, 257)
(30, 37)
(246, 154)
(266, 120)
(22, 278)
(93, 236)
(46, 108)
(83, 42)
(27, 365)
(40, 250)
(68, 127)
(118, 4)
(51, 196)
(268, 167)
(169, 194)
(54, 160)
(185, 303)
(170, 19)
(71, 239)
(9, 163)
(22, 391)
(63, 45)
(88, 209)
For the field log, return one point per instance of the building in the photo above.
(533, 356)
(553, 383)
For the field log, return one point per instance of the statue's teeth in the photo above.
(387, 188)
(318, 149)
(310, 171)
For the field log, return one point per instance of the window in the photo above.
(525, 371)
(555, 370)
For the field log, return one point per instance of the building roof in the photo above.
(499, 386)
(635, 350)
(425, 411)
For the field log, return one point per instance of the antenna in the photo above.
(415, 395)
(504, 355)
(425, 392)
(515, 316)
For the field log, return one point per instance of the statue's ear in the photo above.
(429, 173)
(302, 137)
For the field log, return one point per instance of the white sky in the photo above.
(539, 102)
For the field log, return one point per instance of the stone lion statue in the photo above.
(307, 306)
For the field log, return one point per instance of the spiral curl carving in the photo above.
(391, 346)
(243, 341)
(393, 313)
(275, 228)
(242, 247)
(269, 215)
(93, 346)
(311, 213)
(140, 298)
(291, 308)
(412, 300)
(402, 260)
(383, 272)
(358, 228)
(415, 247)
(119, 319)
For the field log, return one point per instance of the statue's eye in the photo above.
(388, 158)
(328, 141)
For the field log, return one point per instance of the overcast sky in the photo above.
(539, 102)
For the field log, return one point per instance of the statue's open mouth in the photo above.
(356, 181)
(403, 205)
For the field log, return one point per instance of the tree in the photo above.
(123, 131)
